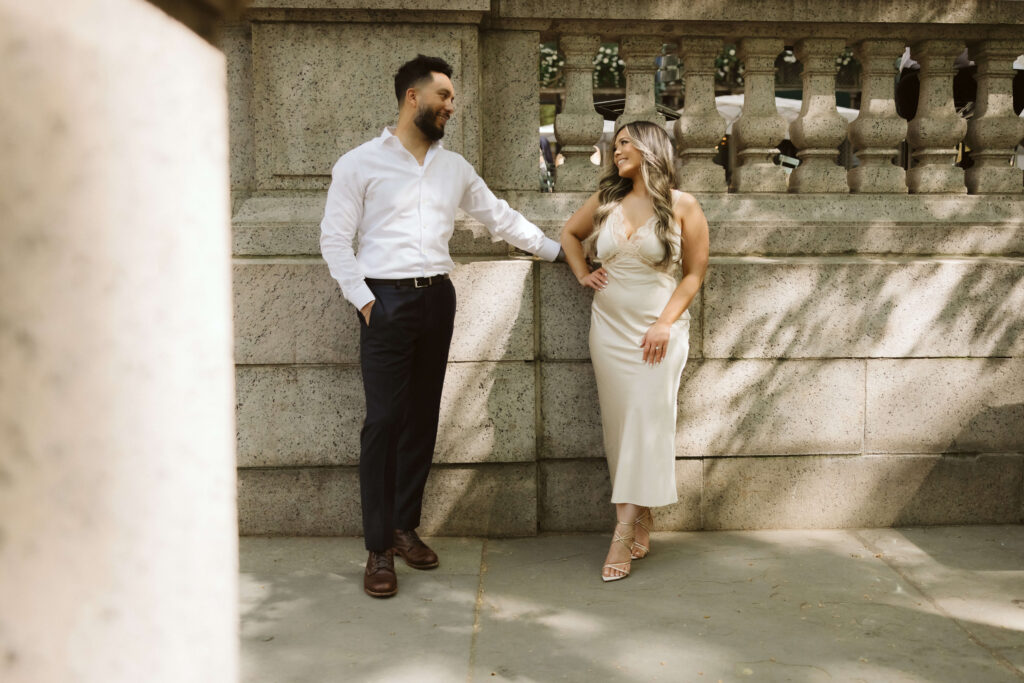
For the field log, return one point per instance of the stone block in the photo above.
(575, 495)
(471, 238)
(321, 89)
(491, 500)
(565, 316)
(312, 415)
(864, 307)
(482, 500)
(299, 415)
(322, 501)
(570, 412)
(725, 408)
(277, 225)
(754, 407)
(292, 312)
(861, 491)
(510, 110)
(947, 405)
(494, 314)
(488, 413)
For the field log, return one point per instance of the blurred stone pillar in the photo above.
(700, 128)
(760, 128)
(578, 128)
(819, 130)
(878, 130)
(937, 128)
(118, 540)
(995, 130)
(639, 53)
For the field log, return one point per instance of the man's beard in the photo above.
(426, 121)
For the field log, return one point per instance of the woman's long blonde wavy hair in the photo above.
(658, 173)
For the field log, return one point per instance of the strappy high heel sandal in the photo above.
(645, 521)
(626, 540)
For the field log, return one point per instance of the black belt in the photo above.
(415, 282)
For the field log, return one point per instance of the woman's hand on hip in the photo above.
(597, 279)
(655, 342)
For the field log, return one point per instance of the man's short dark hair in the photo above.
(416, 70)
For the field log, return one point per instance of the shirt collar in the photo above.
(388, 137)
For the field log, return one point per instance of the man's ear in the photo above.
(411, 97)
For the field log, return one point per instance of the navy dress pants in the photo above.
(403, 354)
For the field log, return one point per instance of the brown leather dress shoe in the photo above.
(380, 580)
(416, 553)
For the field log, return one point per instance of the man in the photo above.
(399, 193)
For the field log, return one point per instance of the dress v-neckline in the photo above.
(625, 226)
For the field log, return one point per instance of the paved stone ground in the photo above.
(926, 604)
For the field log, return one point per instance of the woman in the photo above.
(652, 242)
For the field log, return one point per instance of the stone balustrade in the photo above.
(934, 134)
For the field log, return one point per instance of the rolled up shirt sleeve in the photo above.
(342, 214)
(504, 221)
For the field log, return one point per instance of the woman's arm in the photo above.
(695, 265)
(576, 229)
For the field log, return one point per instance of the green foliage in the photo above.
(608, 67)
(551, 63)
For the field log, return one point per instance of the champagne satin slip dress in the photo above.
(638, 401)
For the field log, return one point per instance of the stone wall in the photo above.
(856, 359)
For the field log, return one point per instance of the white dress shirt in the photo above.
(404, 215)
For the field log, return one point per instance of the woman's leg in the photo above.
(642, 536)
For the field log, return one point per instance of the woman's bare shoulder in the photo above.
(683, 200)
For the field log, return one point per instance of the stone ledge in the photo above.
(488, 500)
(920, 12)
(284, 224)
(418, 5)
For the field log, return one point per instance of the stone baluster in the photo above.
(578, 128)
(995, 130)
(760, 127)
(819, 129)
(937, 128)
(878, 130)
(699, 130)
(640, 53)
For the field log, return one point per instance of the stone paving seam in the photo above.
(1007, 664)
(477, 607)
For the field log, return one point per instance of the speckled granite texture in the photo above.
(860, 491)
(484, 500)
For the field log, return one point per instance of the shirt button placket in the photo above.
(423, 253)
